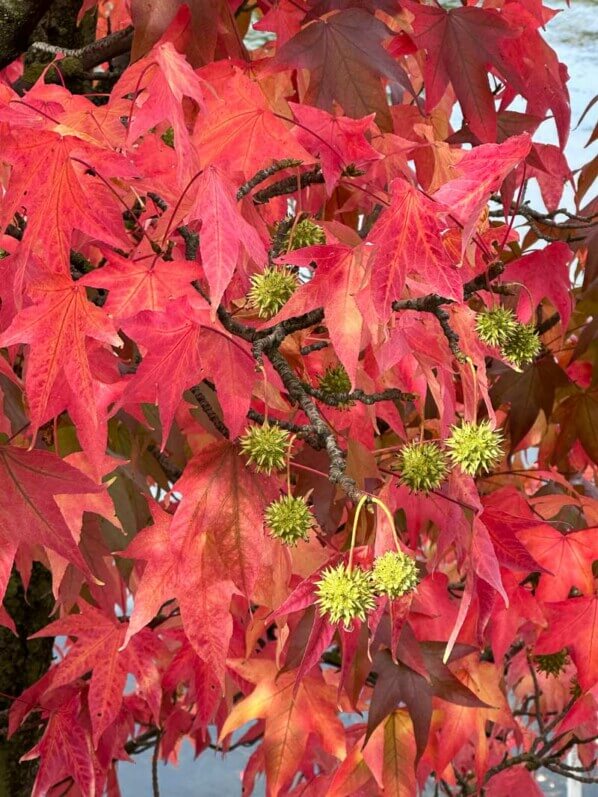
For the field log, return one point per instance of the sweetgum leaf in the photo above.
(344, 54)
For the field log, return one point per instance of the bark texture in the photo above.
(22, 662)
(18, 19)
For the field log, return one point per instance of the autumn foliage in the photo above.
(298, 404)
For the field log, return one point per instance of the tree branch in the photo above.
(97, 52)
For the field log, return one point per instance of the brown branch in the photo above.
(111, 46)
(288, 185)
(263, 174)
(336, 472)
(334, 399)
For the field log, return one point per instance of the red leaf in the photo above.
(241, 131)
(339, 276)
(49, 183)
(59, 374)
(289, 718)
(65, 752)
(460, 43)
(31, 480)
(223, 231)
(481, 171)
(142, 282)
(573, 624)
(545, 273)
(568, 559)
(158, 84)
(408, 243)
(337, 140)
(182, 344)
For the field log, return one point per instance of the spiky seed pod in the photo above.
(496, 326)
(271, 290)
(522, 346)
(394, 574)
(422, 466)
(345, 596)
(304, 233)
(266, 447)
(168, 137)
(336, 380)
(475, 447)
(289, 519)
(552, 663)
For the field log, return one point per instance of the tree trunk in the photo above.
(18, 19)
(22, 662)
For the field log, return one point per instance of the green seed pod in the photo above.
(266, 447)
(336, 380)
(422, 466)
(496, 326)
(522, 346)
(345, 596)
(289, 519)
(475, 447)
(304, 233)
(552, 663)
(168, 137)
(394, 574)
(271, 290)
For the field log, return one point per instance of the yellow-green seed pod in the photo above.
(289, 519)
(266, 447)
(394, 574)
(422, 466)
(345, 596)
(271, 290)
(475, 447)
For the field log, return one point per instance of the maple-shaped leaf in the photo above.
(568, 558)
(142, 282)
(337, 140)
(97, 649)
(339, 277)
(460, 43)
(183, 345)
(224, 231)
(50, 183)
(59, 375)
(224, 500)
(397, 682)
(480, 172)
(289, 717)
(65, 751)
(573, 624)
(344, 53)
(241, 131)
(407, 241)
(214, 546)
(158, 84)
(29, 513)
(545, 273)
